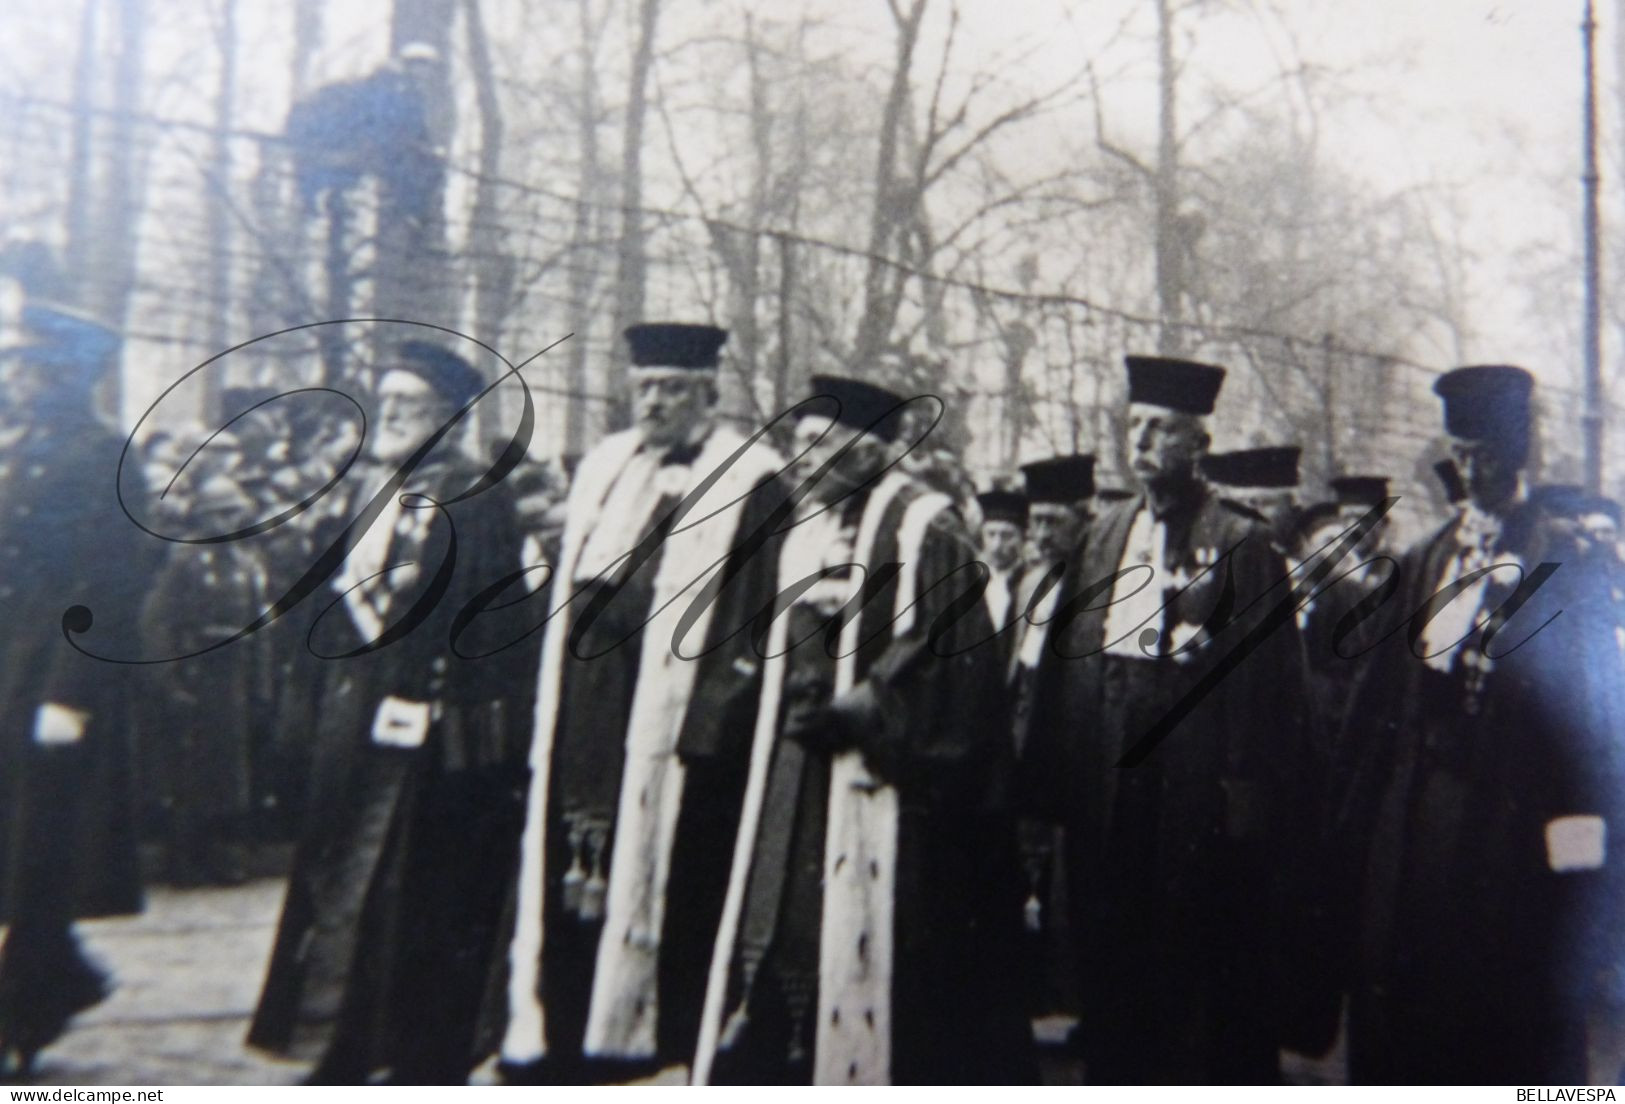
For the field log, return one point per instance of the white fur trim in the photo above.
(623, 1009)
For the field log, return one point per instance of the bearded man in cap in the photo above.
(398, 882)
(870, 933)
(1175, 835)
(1482, 823)
(67, 802)
(647, 690)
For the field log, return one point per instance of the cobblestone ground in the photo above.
(189, 971)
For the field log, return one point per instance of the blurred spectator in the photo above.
(210, 699)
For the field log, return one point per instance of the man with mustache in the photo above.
(642, 728)
(1174, 844)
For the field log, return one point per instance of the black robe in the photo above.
(1179, 866)
(940, 736)
(393, 905)
(1472, 959)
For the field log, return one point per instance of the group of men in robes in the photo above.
(767, 835)
(808, 781)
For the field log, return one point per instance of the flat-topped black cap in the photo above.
(675, 345)
(1060, 479)
(452, 377)
(1003, 506)
(1271, 467)
(1486, 400)
(1184, 385)
(1360, 490)
(859, 404)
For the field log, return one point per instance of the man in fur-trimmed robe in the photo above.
(1061, 490)
(1177, 848)
(644, 704)
(873, 917)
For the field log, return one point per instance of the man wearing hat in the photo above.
(872, 924)
(1004, 530)
(1450, 482)
(1599, 538)
(1334, 642)
(1482, 822)
(644, 706)
(1060, 490)
(67, 832)
(1175, 844)
(395, 896)
(1334, 661)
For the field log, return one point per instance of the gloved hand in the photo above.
(856, 711)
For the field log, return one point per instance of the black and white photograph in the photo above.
(561, 543)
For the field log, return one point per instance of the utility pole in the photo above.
(1593, 416)
(1169, 259)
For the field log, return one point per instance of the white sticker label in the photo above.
(1576, 843)
(57, 725)
(401, 723)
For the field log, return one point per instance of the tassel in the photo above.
(595, 889)
(576, 875)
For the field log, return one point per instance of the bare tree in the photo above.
(79, 155)
(114, 239)
(631, 271)
(217, 185)
(493, 265)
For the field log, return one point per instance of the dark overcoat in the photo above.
(1472, 957)
(67, 811)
